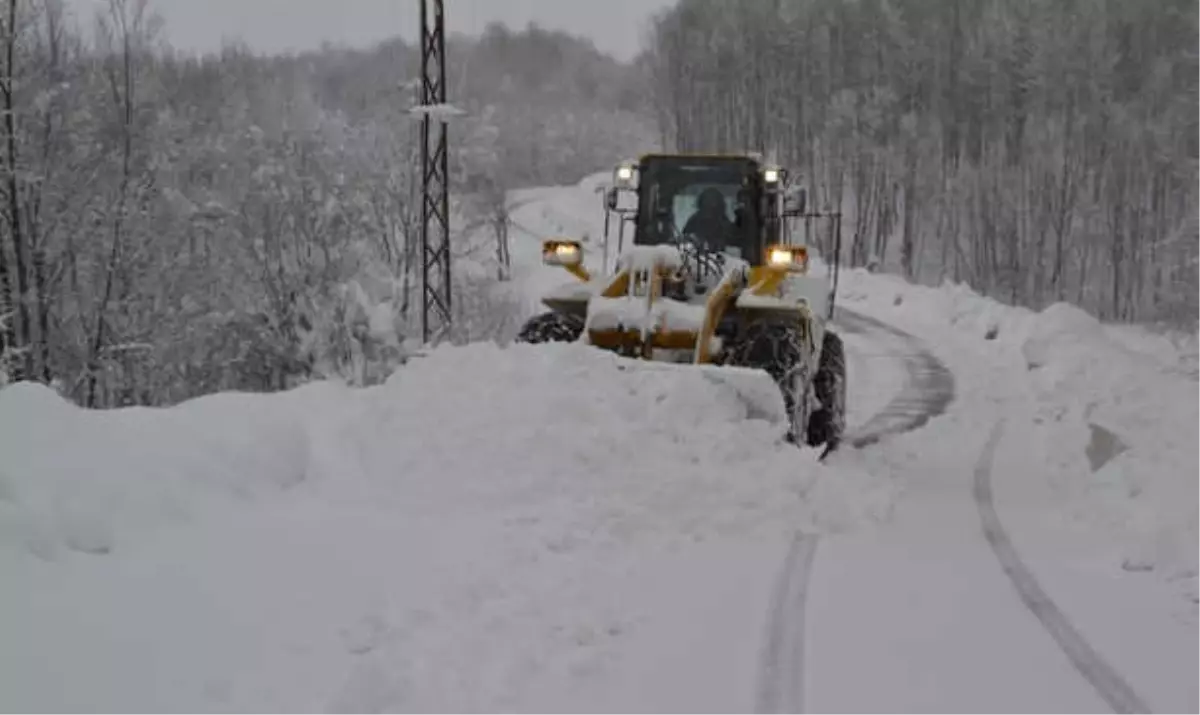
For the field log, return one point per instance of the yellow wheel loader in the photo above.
(714, 276)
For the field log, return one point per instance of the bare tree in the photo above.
(19, 336)
(1036, 149)
(171, 225)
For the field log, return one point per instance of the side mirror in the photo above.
(796, 202)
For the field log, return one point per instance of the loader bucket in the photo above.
(755, 389)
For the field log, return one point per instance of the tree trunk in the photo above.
(24, 325)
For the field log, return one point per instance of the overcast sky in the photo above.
(615, 26)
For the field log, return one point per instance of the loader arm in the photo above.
(714, 310)
(630, 313)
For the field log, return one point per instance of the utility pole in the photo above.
(435, 174)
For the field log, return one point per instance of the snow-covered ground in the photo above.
(1170, 349)
(1109, 532)
(1105, 425)
(464, 537)
(548, 529)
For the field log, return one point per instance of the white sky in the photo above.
(616, 26)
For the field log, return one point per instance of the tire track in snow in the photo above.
(781, 684)
(1108, 683)
(927, 393)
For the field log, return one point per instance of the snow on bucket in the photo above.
(754, 389)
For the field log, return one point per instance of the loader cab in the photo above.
(716, 203)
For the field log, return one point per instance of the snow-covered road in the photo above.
(750, 602)
(1011, 575)
(938, 607)
(925, 392)
(544, 529)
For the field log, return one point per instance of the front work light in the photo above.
(624, 175)
(771, 175)
(561, 252)
(793, 259)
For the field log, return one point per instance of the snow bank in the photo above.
(1134, 424)
(532, 413)
(1114, 418)
(1176, 350)
(448, 540)
(84, 480)
(950, 306)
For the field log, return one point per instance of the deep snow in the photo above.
(1065, 379)
(444, 541)
(1113, 542)
(549, 529)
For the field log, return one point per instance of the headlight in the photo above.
(790, 258)
(771, 175)
(562, 253)
(624, 175)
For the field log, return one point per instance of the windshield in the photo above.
(700, 201)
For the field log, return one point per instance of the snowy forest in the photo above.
(172, 225)
(1039, 150)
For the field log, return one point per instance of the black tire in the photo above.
(778, 348)
(828, 422)
(551, 328)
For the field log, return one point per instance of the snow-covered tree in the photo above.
(174, 225)
(1042, 150)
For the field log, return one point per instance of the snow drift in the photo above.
(83, 480)
(443, 541)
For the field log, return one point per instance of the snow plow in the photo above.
(715, 277)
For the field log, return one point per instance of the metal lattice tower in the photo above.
(435, 175)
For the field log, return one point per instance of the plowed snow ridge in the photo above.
(449, 540)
